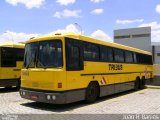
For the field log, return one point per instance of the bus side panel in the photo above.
(11, 72)
(115, 80)
(10, 76)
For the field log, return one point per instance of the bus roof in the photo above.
(87, 39)
(11, 44)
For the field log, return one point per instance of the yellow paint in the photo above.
(14, 45)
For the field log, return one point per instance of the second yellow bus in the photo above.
(11, 62)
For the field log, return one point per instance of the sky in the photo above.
(23, 19)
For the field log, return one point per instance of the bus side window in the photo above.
(148, 59)
(8, 57)
(74, 55)
(135, 58)
(128, 57)
(118, 55)
(106, 54)
(139, 58)
(19, 54)
(91, 52)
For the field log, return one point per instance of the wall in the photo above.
(134, 37)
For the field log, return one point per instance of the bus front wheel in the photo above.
(92, 92)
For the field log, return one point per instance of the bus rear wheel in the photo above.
(137, 84)
(92, 92)
(19, 84)
(143, 81)
(8, 87)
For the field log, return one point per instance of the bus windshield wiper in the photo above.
(41, 64)
(32, 60)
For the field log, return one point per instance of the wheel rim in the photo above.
(92, 92)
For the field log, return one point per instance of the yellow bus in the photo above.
(11, 61)
(65, 68)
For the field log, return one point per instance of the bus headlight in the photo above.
(53, 97)
(23, 93)
(48, 97)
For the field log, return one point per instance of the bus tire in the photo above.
(143, 82)
(19, 84)
(92, 92)
(136, 84)
(8, 87)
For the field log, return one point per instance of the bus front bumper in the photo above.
(45, 97)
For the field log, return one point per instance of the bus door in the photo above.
(74, 63)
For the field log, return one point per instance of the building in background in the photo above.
(156, 52)
(156, 59)
(134, 37)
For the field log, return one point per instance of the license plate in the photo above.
(34, 97)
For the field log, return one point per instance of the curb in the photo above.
(152, 87)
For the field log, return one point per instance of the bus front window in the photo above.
(50, 54)
(30, 55)
(43, 54)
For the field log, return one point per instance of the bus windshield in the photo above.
(45, 54)
(30, 54)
